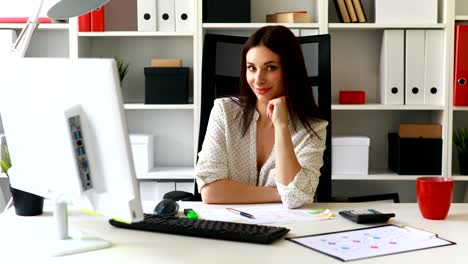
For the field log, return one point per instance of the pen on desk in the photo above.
(232, 210)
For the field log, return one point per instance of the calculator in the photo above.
(366, 216)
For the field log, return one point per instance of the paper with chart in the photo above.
(265, 214)
(371, 242)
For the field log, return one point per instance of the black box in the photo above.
(414, 156)
(166, 85)
(229, 11)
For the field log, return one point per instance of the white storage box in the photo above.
(406, 11)
(350, 155)
(142, 151)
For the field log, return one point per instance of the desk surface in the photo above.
(131, 246)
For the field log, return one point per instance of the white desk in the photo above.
(146, 247)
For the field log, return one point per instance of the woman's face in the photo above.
(264, 73)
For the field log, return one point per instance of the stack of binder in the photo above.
(93, 21)
(350, 11)
(411, 67)
(165, 15)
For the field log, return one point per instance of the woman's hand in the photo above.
(277, 111)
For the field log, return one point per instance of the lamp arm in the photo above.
(24, 38)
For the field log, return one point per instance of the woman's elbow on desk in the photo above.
(207, 194)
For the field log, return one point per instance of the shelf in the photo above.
(48, 26)
(377, 174)
(374, 177)
(460, 108)
(386, 107)
(461, 18)
(159, 106)
(360, 26)
(169, 173)
(460, 177)
(135, 34)
(258, 25)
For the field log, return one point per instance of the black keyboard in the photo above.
(207, 228)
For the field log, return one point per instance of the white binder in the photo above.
(147, 16)
(433, 76)
(166, 15)
(414, 67)
(391, 67)
(7, 39)
(184, 15)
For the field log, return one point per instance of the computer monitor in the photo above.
(67, 135)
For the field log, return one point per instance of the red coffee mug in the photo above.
(434, 196)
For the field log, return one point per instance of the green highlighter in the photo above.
(190, 213)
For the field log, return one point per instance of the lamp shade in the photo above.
(73, 8)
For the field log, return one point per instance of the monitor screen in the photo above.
(67, 134)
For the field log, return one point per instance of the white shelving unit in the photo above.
(355, 62)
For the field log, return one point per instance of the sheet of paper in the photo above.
(370, 242)
(265, 214)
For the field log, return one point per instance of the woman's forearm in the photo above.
(286, 164)
(231, 192)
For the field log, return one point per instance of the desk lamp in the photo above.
(62, 10)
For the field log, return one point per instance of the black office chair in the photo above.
(220, 77)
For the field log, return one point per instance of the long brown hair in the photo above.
(298, 90)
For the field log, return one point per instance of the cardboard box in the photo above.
(288, 17)
(420, 131)
(350, 155)
(142, 151)
(166, 63)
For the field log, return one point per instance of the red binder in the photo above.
(84, 23)
(460, 86)
(97, 19)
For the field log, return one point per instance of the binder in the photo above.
(147, 15)
(7, 38)
(351, 11)
(460, 92)
(391, 67)
(361, 16)
(84, 23)
(341, 11)
(184, 15)
(97, 19)
(414, 67)
(433, 68)
(166, 19)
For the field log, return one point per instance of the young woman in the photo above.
(267, 144)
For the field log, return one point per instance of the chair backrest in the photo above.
(220, 77)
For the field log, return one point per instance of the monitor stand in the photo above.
(67, 245)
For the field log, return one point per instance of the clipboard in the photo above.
(371, 242)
